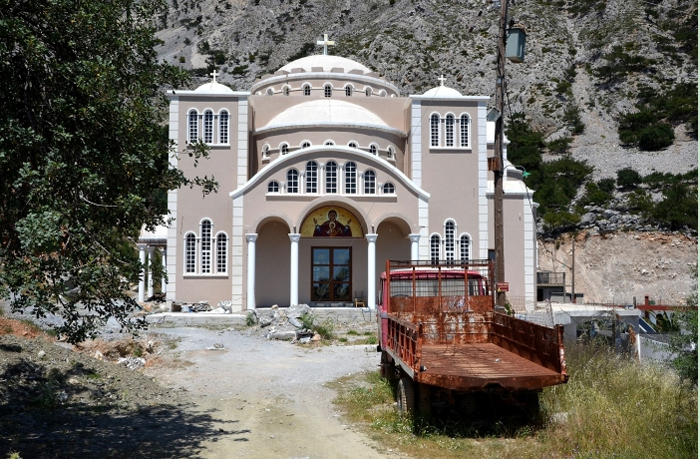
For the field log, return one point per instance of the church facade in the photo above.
(324, 173)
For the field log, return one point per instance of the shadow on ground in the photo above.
(54, 415)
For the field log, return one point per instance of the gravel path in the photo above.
(269, 396)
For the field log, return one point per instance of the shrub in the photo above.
(560, 145)
(607, 184)
(628, 178)
(679, 207)
(594, 195)
(656, 137)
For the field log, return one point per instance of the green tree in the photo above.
(684, 344)
(83, 155)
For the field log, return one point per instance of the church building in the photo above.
(325, 171)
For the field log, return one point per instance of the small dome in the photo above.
(214, 87)
(442, 91)
(326, 111)
(326, 62)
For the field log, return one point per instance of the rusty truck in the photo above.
(443, 342)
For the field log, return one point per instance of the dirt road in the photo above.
(269, 397)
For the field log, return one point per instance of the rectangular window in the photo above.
(190, 254)
(221, 243)
(208, 127)
(223, 127)
(331, 269)
(350, 178)
(331, 178)
(449, 131)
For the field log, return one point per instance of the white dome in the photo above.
(326, 111)
(326, 62)
(213, 88)
(442, 91)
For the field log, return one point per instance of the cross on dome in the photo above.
(326, 43)
(442, 80)
(214, 74)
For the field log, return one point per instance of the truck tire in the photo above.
(405, 396)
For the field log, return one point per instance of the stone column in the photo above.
(142, 275)
(371, 271)
(415, 238)
(294, 269)
(164, 262)
(149, 262)
(250, 272)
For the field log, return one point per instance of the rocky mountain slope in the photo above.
(591, 56)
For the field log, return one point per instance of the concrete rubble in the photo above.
(287, 324)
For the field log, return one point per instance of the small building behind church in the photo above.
(325, 171)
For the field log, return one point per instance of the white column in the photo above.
(142, 278)
(415, 238)
(294, 269)
(164, 262)
(150, 271)
(250, 272)
(371, 271)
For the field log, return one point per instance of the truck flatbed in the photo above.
(480, 365)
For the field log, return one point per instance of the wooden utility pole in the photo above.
(498, 152)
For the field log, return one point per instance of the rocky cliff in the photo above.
(590, 57)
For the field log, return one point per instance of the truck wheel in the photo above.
(405, 397)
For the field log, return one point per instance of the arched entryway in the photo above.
(272, 264)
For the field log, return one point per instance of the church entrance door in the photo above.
(331, 269)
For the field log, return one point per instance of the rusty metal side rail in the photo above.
(532, 341)
(404, 342)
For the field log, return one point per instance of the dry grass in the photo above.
(611, 408)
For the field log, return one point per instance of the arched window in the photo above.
(190, 253)
(373, 149)
(465, 243)
(464, 128)
(205, 254)
(221, 252)
(192, 126)
(284, 149)
(273, 187)
(434, 130)
(285, 90)
(292, 181)
(329, 143)
(382, 93)
(307, 89)
(435, 249)
(352, 145)
(389, 188)
(370, 182)
(390, 153)
(312, 177)
(350, 178)
(450, 241)
(223, 126)
(266, 151)
(305, 144)
(208, 126)
(348, 90)
(269, 91)
(327, 90)
(331, 177)
(450, 131)
(368, 91)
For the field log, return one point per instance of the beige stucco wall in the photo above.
(193, 207)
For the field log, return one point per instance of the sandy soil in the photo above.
(618, 267)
